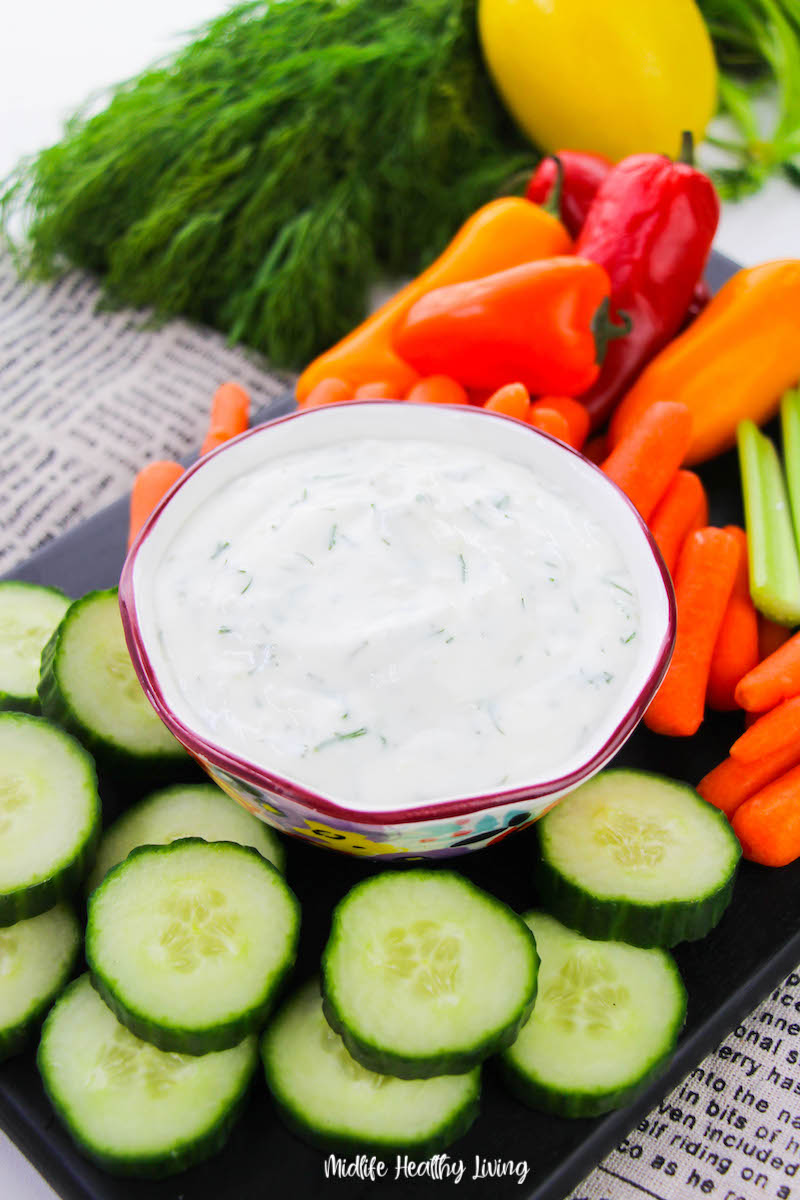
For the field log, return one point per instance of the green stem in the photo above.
(687, 148)
(605, 331)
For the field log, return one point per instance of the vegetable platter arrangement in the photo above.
(664, 377)
(291, 154)
(409, 1012)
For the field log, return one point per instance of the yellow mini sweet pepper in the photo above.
(616, 77)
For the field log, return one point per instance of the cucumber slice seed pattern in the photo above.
(408, 955)
(124, 1058)
(197, 923)
(132, 1108)
(24, 639)
(9, 945)
(122, 678)
(587, 994)
(633, 841)
(425, 954)
(188, 942)
(637, 857)
(606, 1019)
(335, 1103)
(15, 799)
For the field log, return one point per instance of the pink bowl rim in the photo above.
(259, 777)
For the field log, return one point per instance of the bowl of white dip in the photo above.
(397, 629)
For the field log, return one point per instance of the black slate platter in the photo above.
(727, 974)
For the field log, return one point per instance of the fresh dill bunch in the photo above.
(757, 43)
(265, 176)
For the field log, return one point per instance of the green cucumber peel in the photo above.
(773, 560)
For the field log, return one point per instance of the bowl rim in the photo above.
(439, 810)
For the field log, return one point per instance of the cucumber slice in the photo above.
(188, 943)
(638, 858)
(128, 1106)
(426, 974)
(194, 810)
(607, 1017)
(49, 816)
(28, 615)
(37, 957)
(89, 686)
(331, 1101)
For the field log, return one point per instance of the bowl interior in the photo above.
(551, 461)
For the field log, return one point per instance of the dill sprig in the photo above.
(757, 43)
(341, 737)
(262, 178)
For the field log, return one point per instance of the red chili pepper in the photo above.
(581, 176)
(651, 226)
(543, 324)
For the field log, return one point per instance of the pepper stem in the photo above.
(552, 204)
(687, 148)
(605, 331)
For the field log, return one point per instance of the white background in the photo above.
(54, 54)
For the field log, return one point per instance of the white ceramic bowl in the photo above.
(448, 825)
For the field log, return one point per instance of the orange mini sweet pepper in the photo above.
(543, 324)
(733, 362)
(501, 234)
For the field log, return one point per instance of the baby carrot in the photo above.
(645, 459)
(769, 733)
(703, 583)
(513, 400)
(736, 647)
(550, 421)
(771, 635)
(152, 482)
(327, 391)
(230, 415)
(682, 508)
(381, 389)
(768, 824)
(574, 413)
(774, 679)
(437, 389)
(732, 782)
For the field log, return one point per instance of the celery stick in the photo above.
(790, 429)
(774, 566)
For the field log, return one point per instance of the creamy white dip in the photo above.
(395, 622)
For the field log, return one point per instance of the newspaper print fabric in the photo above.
(88, 397)
(730, 1130)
